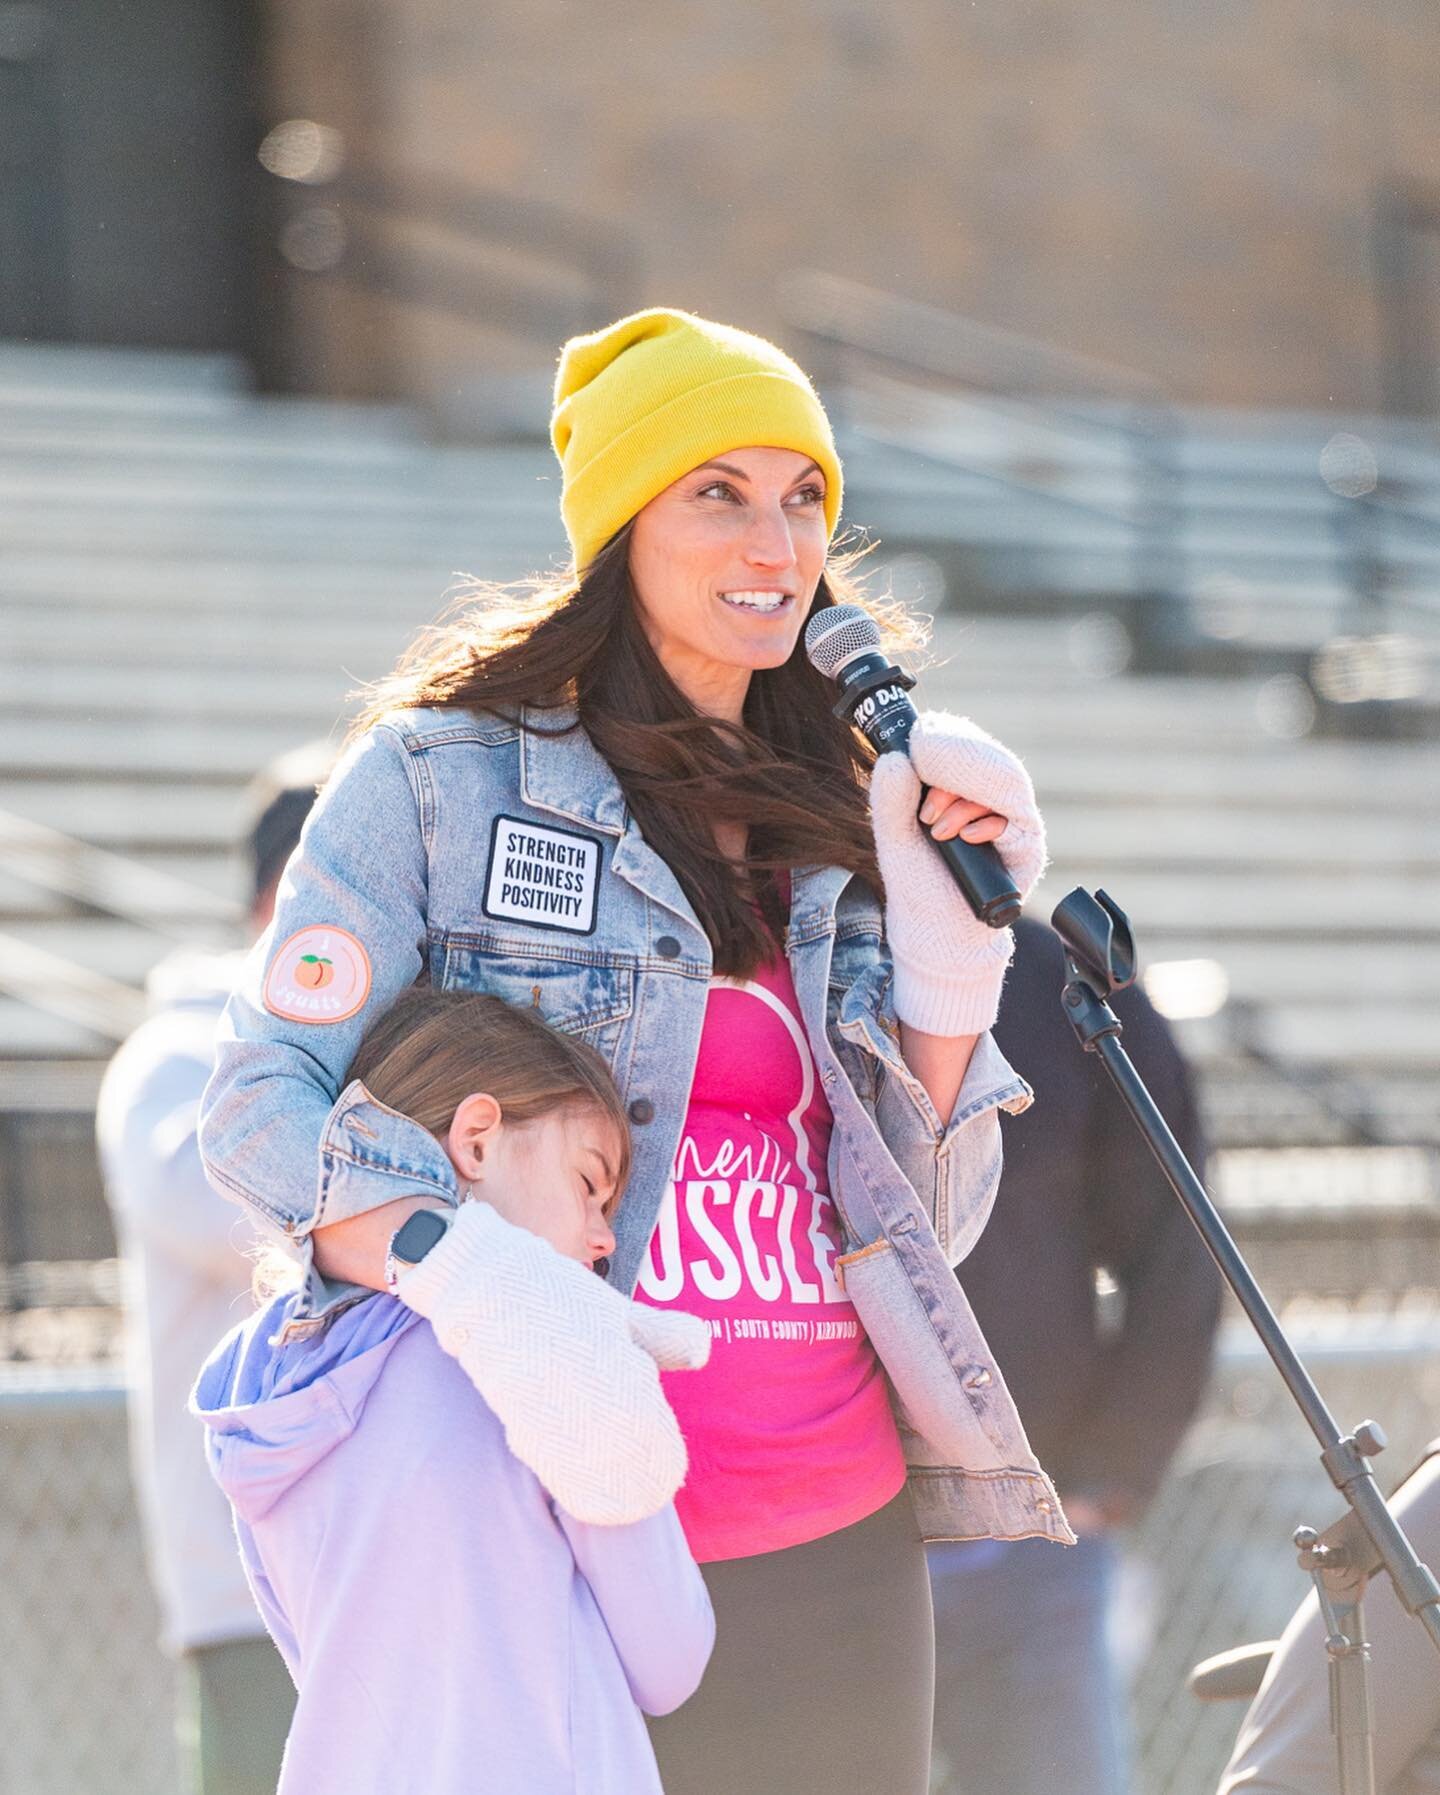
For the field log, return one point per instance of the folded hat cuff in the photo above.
(751, 410)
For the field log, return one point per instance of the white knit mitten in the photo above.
(562, 1360)
(948, 965)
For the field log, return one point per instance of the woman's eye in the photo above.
(809, 495)
(717, 489)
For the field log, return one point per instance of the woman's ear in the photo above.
(472, 1128)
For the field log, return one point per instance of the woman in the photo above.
(630, 804)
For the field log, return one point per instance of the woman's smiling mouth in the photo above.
(749, 600)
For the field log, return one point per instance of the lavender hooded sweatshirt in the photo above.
(449, 1629)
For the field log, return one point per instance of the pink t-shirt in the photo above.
(788, 1427)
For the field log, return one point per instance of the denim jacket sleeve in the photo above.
(279, 1132)
(954, 1167)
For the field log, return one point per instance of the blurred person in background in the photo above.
(1286, 1746)
(187, 1280)
(1028, 1693)
(624, 797)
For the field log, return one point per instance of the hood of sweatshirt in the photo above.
(272, 1413)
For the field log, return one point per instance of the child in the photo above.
(449, 1626)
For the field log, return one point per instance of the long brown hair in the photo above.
(794, 773)
(432, 1049)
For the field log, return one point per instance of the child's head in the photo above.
(529, 1117)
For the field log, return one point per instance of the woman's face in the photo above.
(724, 564)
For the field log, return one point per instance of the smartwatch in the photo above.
(412, 1240)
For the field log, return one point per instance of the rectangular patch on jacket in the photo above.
(549, 877)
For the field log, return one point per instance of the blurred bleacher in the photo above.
(193, 579)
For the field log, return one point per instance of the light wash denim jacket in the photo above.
(410, 851)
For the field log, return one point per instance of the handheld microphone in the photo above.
(843, 643)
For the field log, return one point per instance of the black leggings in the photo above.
(823, 1677)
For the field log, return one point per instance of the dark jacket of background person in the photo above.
(1080, 1190)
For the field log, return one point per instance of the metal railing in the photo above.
(112, 885)
(1210, 1566)
(863, 340)
(525, 267)
(896, 365)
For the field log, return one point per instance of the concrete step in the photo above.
(35, 634)
(239, 432)
(1349, 907)
(145, 748)
(1217, 840)
(1328, 776)
(36, 637)
(1349, 1035)
(1324, 780)
(1101, 842)
(1167, 872)
(266, 535)
(1295, 973)
(217, 870)
(216, 587)
(1297, 976)
(57, 372)
(1142, 712)
(1247, 1103)
(119, 950)
(301, 701)
(27, 1033)
(1360, 1038)
(1399, 970)
(412, 485)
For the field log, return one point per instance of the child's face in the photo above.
(554, 1177)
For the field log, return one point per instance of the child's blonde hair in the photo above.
(432, 1049)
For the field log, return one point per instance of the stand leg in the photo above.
(1351, 1720)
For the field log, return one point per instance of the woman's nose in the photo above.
(770, 544)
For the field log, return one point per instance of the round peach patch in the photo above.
(319, 975)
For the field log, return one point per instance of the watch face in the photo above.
(416, 1237)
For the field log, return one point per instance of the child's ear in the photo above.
(472, 1128)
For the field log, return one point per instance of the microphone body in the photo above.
(875, 697)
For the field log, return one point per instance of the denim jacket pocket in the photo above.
(580, 993)
(932, 1398)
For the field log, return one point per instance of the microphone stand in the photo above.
(1100, 960)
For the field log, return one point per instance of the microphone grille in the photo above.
(837, 634)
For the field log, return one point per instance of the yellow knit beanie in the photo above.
(645, 400)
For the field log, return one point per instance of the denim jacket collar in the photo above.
(562, 770)
(565, 773)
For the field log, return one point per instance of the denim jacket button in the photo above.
(668, 947)
(978, 1379)
(642, 1110)
(1044, 1505)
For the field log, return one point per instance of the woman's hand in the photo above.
(948, 965)
(946, 814)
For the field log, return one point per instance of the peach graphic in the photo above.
(320, 974)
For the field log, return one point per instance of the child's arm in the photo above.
(550, 1348)
(653, 1600)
